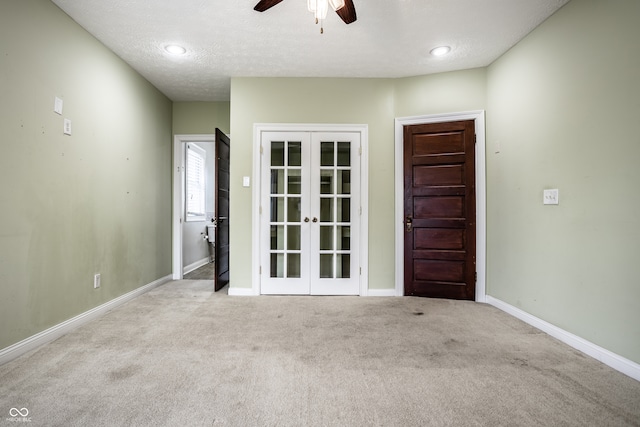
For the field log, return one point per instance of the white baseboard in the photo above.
(9, 353)
(381, 292)
(241, 292)
(605, 356)
(195, 265)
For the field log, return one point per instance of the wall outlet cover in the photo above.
(67, 127)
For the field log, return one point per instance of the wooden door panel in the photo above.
(436, 176)
(434, 144)
(439, 169)
(439, 271)
(438, 207)
(439, 238)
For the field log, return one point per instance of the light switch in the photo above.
(57, 105)
(67, 127)
(246, 181)
(551, 197)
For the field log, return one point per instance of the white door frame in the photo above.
(363, 130)
(481, 184)
(178, 197)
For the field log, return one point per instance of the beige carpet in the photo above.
(183, 356)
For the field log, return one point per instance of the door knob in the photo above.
(315, 219)
(306, 219)
(408, 224)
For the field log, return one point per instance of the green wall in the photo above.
(200, 117)
(98, 201)
(441, 93)
(374, 102)
(284, 100)
(563, 108)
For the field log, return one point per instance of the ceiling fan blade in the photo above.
(348, 12)
(266, 4)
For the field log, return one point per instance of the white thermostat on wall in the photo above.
(550, 197)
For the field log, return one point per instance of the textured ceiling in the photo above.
(227, 38)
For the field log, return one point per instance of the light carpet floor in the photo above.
(181, 355)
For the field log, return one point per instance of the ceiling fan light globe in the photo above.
(337, 4)
(319, 8)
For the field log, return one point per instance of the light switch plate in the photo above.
(57, 106)
(550, 197)
(246, 181)
(67, 127)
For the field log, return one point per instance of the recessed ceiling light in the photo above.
(440, 50)
(174, 49)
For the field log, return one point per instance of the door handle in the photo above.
(408, 224)
(315, 219)
(306, 219)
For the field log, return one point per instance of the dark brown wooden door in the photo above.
(439, 207)
(223, 151)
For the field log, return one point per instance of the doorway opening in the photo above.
(201, 207)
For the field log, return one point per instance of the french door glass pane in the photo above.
(295, 154)
(344, 210)
(326, 266)
(344, 153)
(344, 182)
(343, 241)
(295, 181)
(293, 265)
(293, 237)
(277, 153)
(277, 265)
(326, 181)
(326, 238)
(293, 209)
(277, 181)
(326, 153)
(277, 209)
(326, 209)
(277, 237)
(343, 266)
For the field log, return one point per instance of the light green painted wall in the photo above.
(284, 100)
(441, 93)
(375, 102)
(72, 206)
(200, 117)
(563, 108)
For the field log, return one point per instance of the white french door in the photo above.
(310, 213)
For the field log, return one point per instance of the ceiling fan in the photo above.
(344, 8)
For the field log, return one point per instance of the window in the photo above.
(195, 183)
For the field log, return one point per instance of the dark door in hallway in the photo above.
(223, 151)
(439, 209)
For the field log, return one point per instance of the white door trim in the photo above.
(481, 218)
(258, 130)
(178, 198)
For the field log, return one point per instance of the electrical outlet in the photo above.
(96, 281)
(67, 127)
